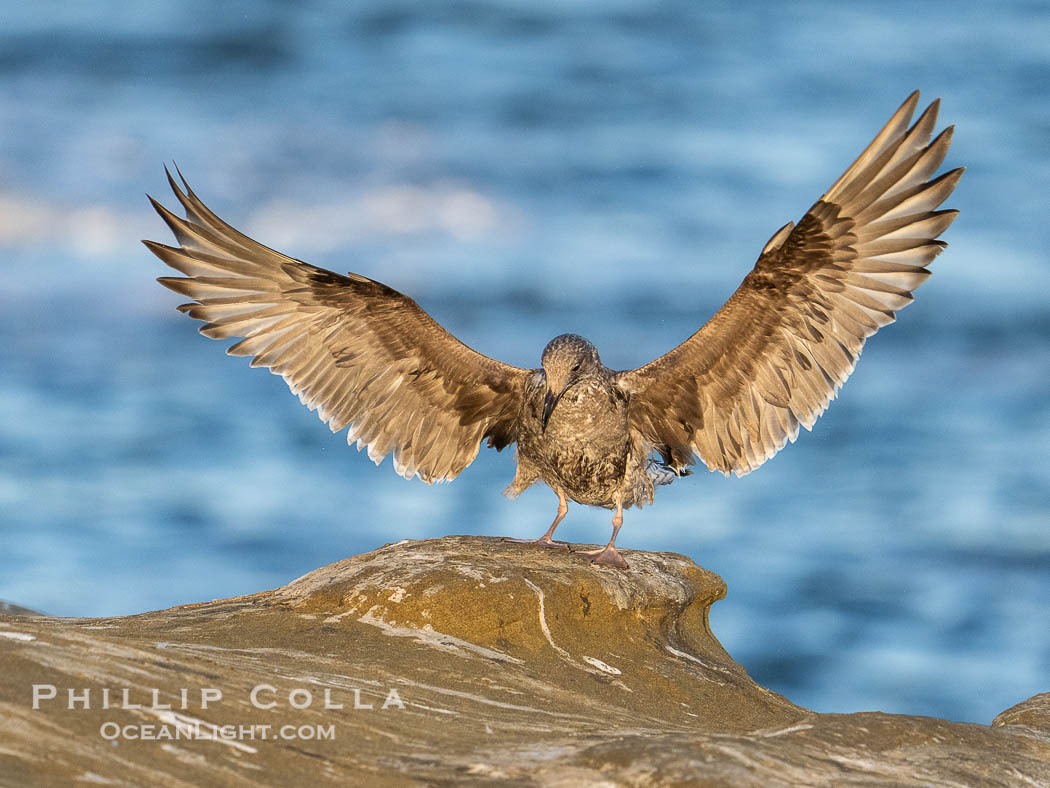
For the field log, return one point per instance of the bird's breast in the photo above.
(585, 447)
(588, 413)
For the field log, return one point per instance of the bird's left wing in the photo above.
(775, 354)
(363, 355)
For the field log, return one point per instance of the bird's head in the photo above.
(566, 359)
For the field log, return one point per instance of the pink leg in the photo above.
(546, 540)
(608, 555)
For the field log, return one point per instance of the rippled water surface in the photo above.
(525, 169)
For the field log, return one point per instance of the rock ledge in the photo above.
(463, 659)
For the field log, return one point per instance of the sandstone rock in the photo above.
(11, 609)
(460, 659)
(1033, 713)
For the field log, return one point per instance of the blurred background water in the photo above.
(524, 169)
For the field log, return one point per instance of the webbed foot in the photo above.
(543, 541)
(606, 556)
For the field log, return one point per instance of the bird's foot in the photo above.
(606, 556)
(543, 541)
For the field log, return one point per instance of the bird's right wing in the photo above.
(775, 354)
(365, 356)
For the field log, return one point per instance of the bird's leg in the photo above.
(608, 555)
(546, 540)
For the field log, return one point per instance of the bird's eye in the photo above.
(577, 367)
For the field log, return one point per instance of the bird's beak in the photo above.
(550, 401)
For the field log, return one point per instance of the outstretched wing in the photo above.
(776, 353)
(363, 355)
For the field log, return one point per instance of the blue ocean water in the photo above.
(522, 170)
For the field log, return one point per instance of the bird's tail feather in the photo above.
(661, 473)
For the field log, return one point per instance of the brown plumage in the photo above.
(369, 360)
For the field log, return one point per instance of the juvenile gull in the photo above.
(369, 360)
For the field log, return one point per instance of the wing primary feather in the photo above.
(775, 355)
(364, 356)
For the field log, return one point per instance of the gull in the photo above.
(369, 360)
